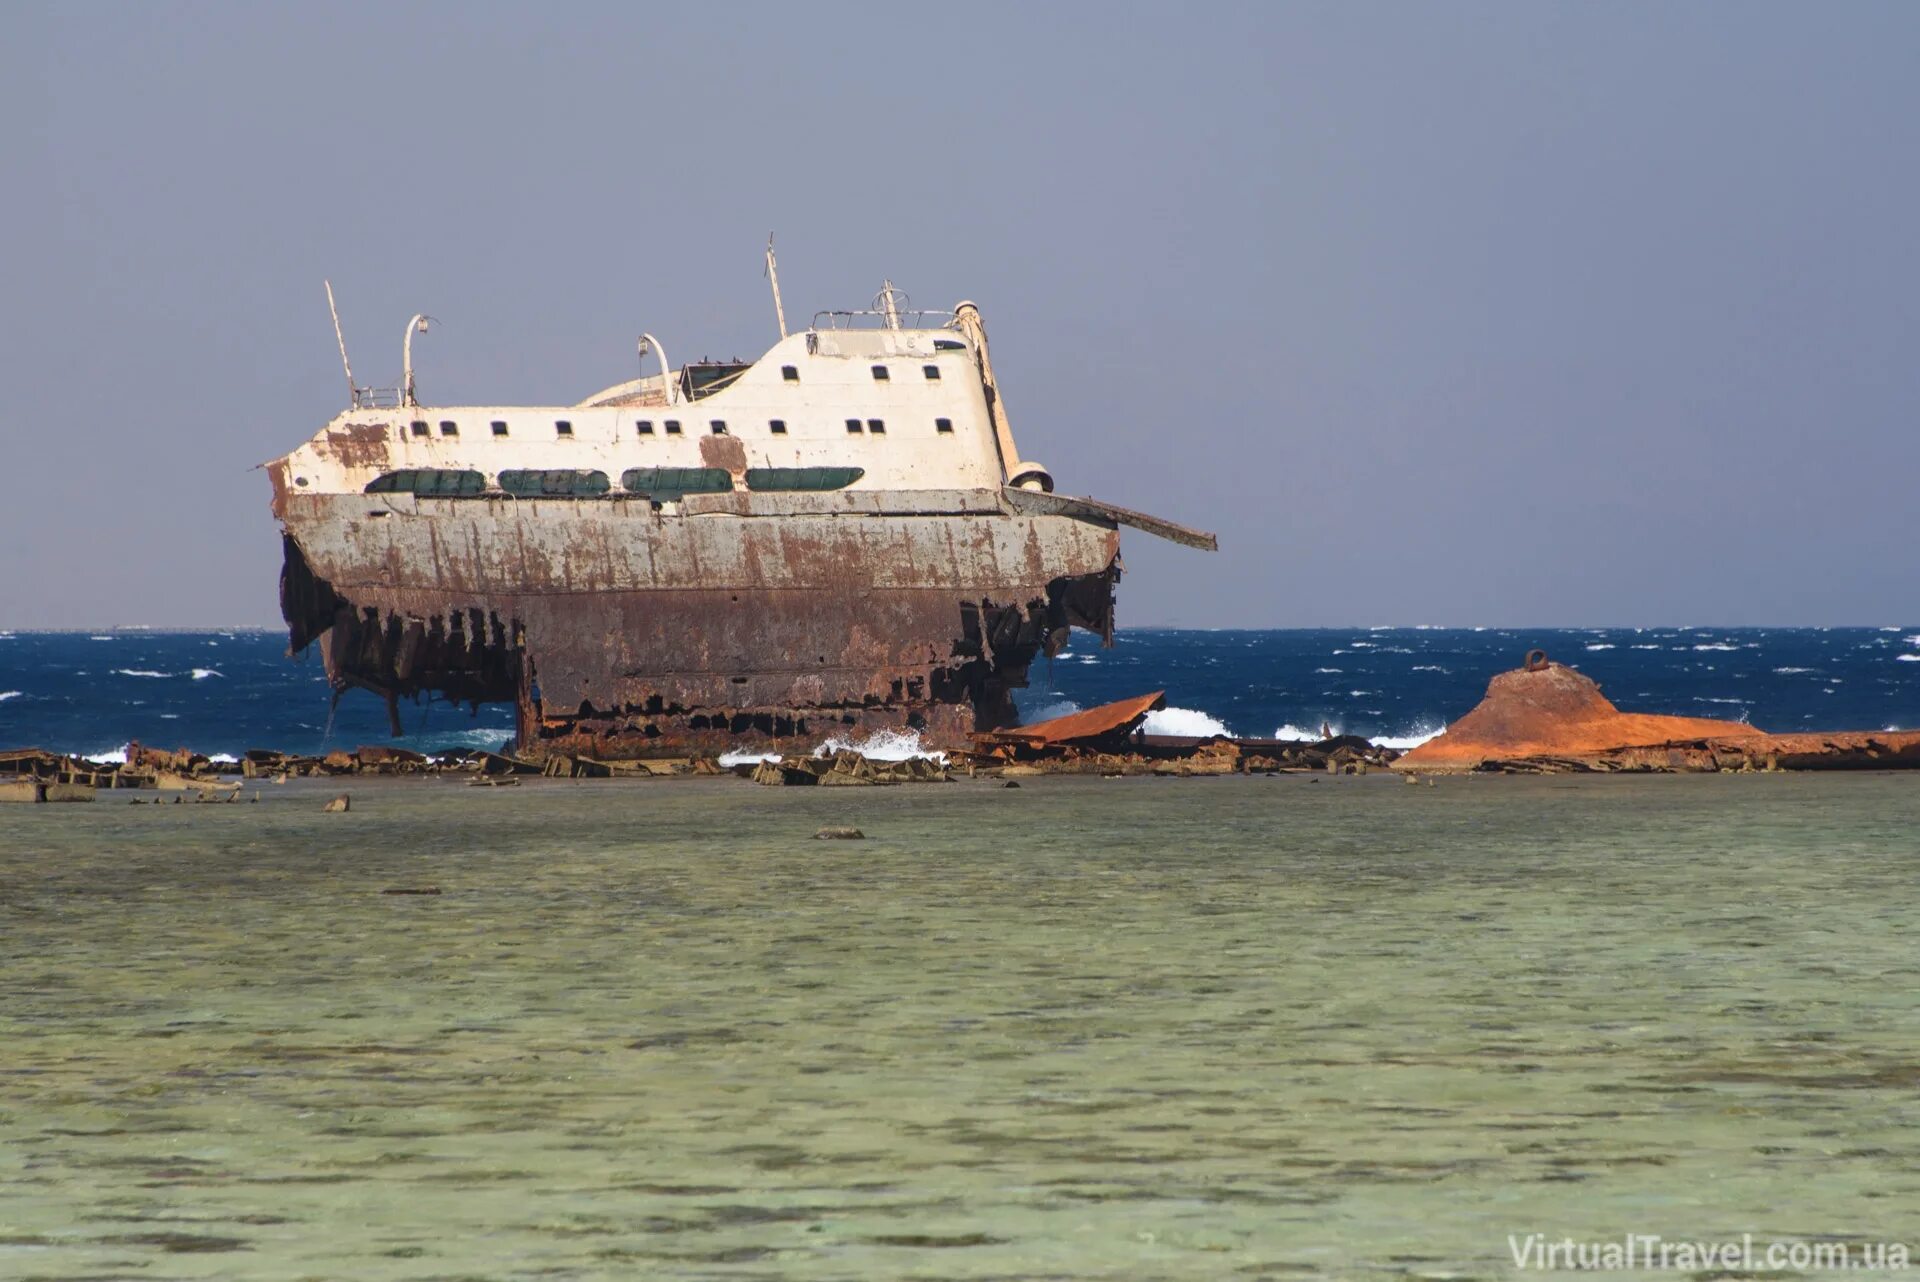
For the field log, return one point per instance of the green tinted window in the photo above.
(564, 483)
(803, 478)
(668, 483)
(429, 482)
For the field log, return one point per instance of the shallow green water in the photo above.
(1088, 1028)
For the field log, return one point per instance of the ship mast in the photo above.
(353, 391)
(773, 274)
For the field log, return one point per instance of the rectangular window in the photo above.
(880, 374)
(419, 428)
(673, 427)
(778, 426)
(719, 426)
(853, 425)
(644, 427)
(449, 428)
(876, 426)
(562, 428)
(499, 428)
(933, 373)
(943, 425)
(790, 373)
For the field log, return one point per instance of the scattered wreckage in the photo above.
(1540, 718)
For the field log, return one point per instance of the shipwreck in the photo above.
(836, 539)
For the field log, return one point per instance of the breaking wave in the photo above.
(433, 741)
(1600, 645)
(728, 760)
(1715, 645)
(201, 674)
(1186, 722)
(881, 745)
(117, 757)
(1398, 742)
(140, 672)
(8, 694)
(1908, 658)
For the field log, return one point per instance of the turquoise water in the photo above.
(1227, 1028)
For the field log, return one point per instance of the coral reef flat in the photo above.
(1090, 1028)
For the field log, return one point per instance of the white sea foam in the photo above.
(140, 672)
(728, 760)
(1404, 742)
(881, 745)
(1600, 645)
(1790, 672)
(1398, 742)
(201, 674)
(1048, 711)
(1429, 667)
(460, 740)
(8, 694)
(117, 757)
(1715, 645)
(1908, 658)
(100, 638)
(224, 759)
(1335, 671)
(1646, 647)
(1183, 721)
(1912, 640)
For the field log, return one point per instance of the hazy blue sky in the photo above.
(1444, 313)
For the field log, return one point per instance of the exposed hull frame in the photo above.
(619, 630)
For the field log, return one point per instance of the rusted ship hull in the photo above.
(620, 630)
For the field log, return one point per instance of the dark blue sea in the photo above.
(225, 691)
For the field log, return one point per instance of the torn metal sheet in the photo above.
(1108, 721)
(1094, 509)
